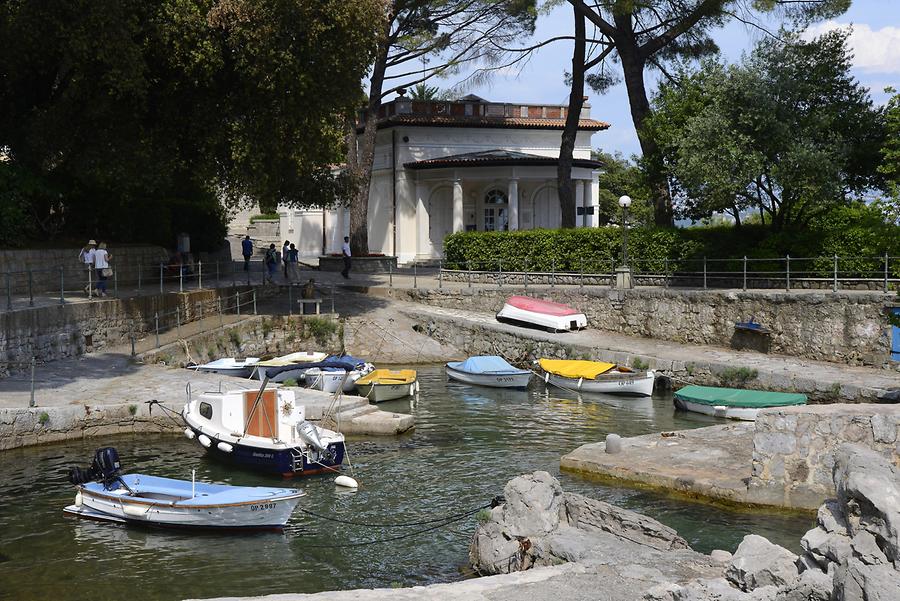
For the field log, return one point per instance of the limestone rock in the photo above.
(865, 549)
(813, 585)
(708, 589)
(533, 504)
(590, 514)
(868, 488)
(855, 581)
(826, 546)
(758, 563)
(830, 517)
(720, 555)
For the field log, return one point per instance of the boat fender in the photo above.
(346, 482)
(189, 433)
(417, 386)
(204, 440)
(135, 511)
(225, 447)
(580, 380)
(78, 499)
(546, 377)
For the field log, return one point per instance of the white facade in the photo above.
(412, 209)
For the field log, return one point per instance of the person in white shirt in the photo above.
(345, 251)
(86, 256)
(101, 264)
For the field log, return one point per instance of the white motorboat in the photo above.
(488, 370)
(287, 367)
(264, 430)
(555, 317)
(332, 380)
(383, 385)
(597, 376)
(104, 494)
(733, 403)
(229, 366)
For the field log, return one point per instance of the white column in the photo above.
(338, 235)
(457, 205)
(423, 243)
(579, 202)
(592, 192)
(513, 194)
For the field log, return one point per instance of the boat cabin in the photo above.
(238, 413)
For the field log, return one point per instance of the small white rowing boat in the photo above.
(555, 317)
(229, 366)
(387, 385)
(488, 370)
(287, 367)
(105, 495)
(596, 376)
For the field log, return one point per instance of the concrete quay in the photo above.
(105, 394)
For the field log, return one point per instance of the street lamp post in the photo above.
(623, 273)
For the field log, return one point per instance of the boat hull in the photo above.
(379, 393)
(513, 380)
(638, 384)
(289, 462)
(331, 381)
(554, 323)
(228, 367)
(747, 414)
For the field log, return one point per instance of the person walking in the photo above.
(86, 256)
(271, 261)
(345, 251)
(285, 249)
(294, 264)
(101, 265)
(247, 251)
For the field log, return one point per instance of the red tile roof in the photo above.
(487, 121)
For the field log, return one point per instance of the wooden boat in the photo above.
(733, 403)
(263, 430)
(387, 385)
(337, 373)
(597, 376)
(287, 367)
(555, 317)
(488, 370)
(229, 366)
(104, 494)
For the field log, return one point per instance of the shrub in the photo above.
(132, 409)
(235, 337)
(264, 217)
(737, 376)
(639, 364)
(44, 418)
(289, 382)
(320, 329)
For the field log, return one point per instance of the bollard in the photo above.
(886, 258)
(613, 444)
(440, 274)
(31, 401)
(156, 320)
(290, 300)
(30, 289)
(161, 289)
(181, 278)
(704, 272)
(834, 287)
(199, 275)
(787, 273)
(415, 276)
(62, 286)
(745, 272)
(254, 301)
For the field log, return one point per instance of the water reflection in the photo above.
(467, 444)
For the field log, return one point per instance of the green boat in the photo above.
(733, 403)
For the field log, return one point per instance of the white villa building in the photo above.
(450, 166)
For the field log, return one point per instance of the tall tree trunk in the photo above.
(365, 157)
(633, 65)
(570, 131)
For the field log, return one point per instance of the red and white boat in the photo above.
(555, 317)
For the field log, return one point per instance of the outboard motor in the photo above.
(104, 468)
(310, 435)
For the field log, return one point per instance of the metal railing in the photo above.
(787, 273)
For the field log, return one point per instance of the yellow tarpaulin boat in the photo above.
(387, 384)
(597, 376)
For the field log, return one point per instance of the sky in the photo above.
(875, 44)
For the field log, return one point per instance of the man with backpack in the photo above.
(271, 261)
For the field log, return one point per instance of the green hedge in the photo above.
(653, 249)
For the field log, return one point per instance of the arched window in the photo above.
(496, 211)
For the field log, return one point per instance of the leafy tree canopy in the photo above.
(620, 177)
(890, 153)
(107, 107)
(787, 133)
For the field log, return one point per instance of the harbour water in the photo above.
(467, 444)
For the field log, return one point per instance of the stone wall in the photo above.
(61, 331)
(850, 328)
(793, 448)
